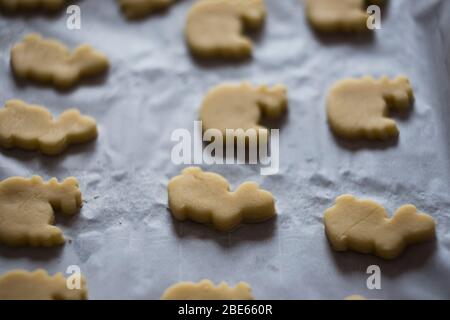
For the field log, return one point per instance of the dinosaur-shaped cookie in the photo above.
(364, 226)
(134, 9)
(358, 108)
(38, 285)
(339, 15)
(206, 290)
(49, 61)
(16, 5)
(241, 106)
(214, 28)
(27, 210)
(32, 127)
(205, 197)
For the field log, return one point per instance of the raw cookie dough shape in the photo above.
(358, 108)
(206, 290)
(205, 197)
(49, 61)
(32, 127)
(339, 15)
(27, 5)
(27, 210)
(241, 106)
(355, 297)
(135, 9)
(364, 226)
(38, 285)
(214, 28)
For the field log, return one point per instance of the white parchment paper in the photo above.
(124, 238)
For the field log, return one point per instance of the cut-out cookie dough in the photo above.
(364, 226)
(49, 61)
(206, 290)
(339, 16)
(241, 106)
(38, 285)
(214, 28)
(32, 127)
(355, 297)
(205, 197)
(135, 9)
(27, 210)
(27, 5)
(358, 108)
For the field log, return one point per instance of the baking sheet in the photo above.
(124, 238)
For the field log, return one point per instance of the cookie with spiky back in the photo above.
(364, 226)
(205, 197)
(50, 62)
(38, 285)
(27, 208)
(32, 127)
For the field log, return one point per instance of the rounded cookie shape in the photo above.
(214, 28)
(358, 108)
(331, 16)
(27, 210)
(135, 9)
(242, 106)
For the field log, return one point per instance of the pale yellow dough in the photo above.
(242, 106)
(49, 61)
(214, 28)
(205, 197)
(134, 9)
(32, 127)
(17, 5)
(38, 285)
(364, 226)
(206, 290)
(358, 108)
(355, 297)
(27, 210)
(339, 15)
